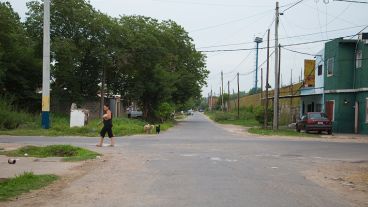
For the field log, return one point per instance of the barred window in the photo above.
(330, 64)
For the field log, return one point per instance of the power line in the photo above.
(292, 6)
(210, 4)
(230, 22)
(294, 44)
(289, 37)
(295, 51)
(362, 2)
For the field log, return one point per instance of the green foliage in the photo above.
(246, 117)
(259, 115)
(165, 111)
(144, 60)
(20, 69)
(254, 91)
(60, 127)
(9, 117)
(24, 183)
(70, 153)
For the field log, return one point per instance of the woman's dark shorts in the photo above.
(107, 129)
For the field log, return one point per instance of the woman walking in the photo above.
(107, 127)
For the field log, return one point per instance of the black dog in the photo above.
(158, 129)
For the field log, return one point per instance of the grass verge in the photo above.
(68, 152)
(246, 117)
(24, 183)
(60, 127)
(280, 132)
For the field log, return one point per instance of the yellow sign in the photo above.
(45, 103)
(309, 68)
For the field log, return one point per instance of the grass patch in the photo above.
(280, 132)
(24, 183)
(68, 152)
(60, 127)
(246, 117)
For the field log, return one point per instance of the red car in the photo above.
(314, 121)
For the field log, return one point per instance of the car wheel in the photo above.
(307, 131)
(319, 132)
(329, 132)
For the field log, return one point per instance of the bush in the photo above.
(164, 111)
(259, 115)
(10, 118)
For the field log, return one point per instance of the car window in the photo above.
(315, 116)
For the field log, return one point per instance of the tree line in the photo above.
(151, 62)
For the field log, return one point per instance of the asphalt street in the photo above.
(198, 163)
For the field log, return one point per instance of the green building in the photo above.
(346, 84)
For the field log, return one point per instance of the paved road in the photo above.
(198, 163)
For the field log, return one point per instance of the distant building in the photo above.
(341, 85)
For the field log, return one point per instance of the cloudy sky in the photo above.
(233, 24)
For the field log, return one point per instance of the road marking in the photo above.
(215, 159)
(188, 155)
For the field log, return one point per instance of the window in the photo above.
(330, 64)
(366, 110)
(318, 107)
(358, 59)
(319, 70)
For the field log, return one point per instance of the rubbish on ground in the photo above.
(12, 161)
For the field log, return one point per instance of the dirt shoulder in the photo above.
(348, 179)
(68, 172)
(240, 130)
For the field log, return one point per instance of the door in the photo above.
(330, 109)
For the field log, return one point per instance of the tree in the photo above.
(145, 60)
(20, 69)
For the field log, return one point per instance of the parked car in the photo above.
(314, 121)
(135, 114)
(190, 112)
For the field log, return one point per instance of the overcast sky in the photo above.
(233, 24)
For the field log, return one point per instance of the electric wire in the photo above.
(281, 38)
(230, 22)
(294, 44)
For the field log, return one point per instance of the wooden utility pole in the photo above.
(211, 100)
(262, 87)
(291, 97)
(277, 73)
(228, 93)
(238, 95)
(267, 71)
(222, 91)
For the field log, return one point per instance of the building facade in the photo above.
(341, 88)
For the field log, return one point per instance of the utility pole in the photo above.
(46, 67)
(219, 98)
(277, 73)
(267, 70)
(228, 93)
(262, 87)
(211, 101)
(291, 97)
(222, 91)
(238, 94)
(234, 98)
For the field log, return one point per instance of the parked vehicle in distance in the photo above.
(314, 121)
(201, 110)
(190, 112)
(135, 114)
